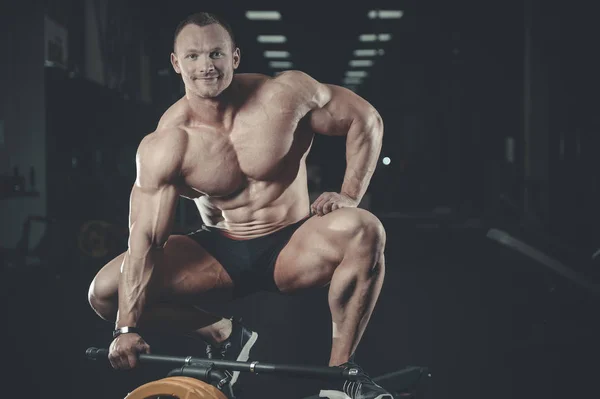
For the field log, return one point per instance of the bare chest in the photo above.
(262, 145)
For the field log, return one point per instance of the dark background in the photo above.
(456, 81)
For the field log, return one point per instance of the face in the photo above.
(205, 59)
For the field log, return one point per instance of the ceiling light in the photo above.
(352, 81)
(361, 63)
(365, 53)
(386, 14)
(277, 54)
(263, 15)
(368, 52)
(371, 37)
(271, 39)
(356, 74)
(280, 64)
(367, 38)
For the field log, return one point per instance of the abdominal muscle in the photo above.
(261, 208)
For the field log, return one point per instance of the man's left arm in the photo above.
(347, 114)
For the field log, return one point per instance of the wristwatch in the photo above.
(125, 330)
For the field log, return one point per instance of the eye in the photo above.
(192, 56)
(216, 54)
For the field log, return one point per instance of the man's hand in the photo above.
(329, 202)
(124, 350)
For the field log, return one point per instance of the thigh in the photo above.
(189, 275)
(311, 255)
(318, 247)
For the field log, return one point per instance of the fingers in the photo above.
(131, 360)
(331, 206)
(124, 354)
(327, 207)
(123, 361)
(321, 202)
(326, 203)
(119, 361)
(113, 363)
(329, 202)
(316, 206)
(143, 348)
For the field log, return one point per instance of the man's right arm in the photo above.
(152, 207)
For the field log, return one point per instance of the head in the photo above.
(205, 54)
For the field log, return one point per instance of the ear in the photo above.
(236, 58)
(175, 63)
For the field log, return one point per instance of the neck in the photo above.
(212, 111)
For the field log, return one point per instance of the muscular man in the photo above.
(236, 145)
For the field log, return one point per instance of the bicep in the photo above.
(154, 195)
(343, 110)
(323, 121)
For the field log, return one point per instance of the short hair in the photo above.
(204, 19)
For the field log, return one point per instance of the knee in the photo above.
(363, 228)
(102, 296)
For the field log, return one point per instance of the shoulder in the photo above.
(306, 86)
(163, 140)
(250, 79)
(249, 83)
(160, 156)
(174, 116)
(294, 91)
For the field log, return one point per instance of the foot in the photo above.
(235, 348)
(361, 388)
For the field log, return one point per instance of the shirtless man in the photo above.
(237, 145)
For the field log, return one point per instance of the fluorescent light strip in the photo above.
(365, 53)
(356, 74)
(386, 14)
(280, 64)
(276, 54)
(352, 81)
(263, 15)
(371, 37)
(271, 39)
(368, 52)
(368, 38)
(361, 63)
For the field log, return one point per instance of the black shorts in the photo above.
(250, 263)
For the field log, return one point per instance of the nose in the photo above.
(207, 65)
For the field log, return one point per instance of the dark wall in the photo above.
(92, 137)
(22, 112)
(450, 90)
(567, 40)
(93, 134)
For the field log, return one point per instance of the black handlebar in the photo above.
(319, 372)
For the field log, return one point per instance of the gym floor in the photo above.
(488, 322)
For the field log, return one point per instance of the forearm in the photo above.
(363, 146)
(136, 273)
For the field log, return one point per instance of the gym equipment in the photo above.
(197, 378)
